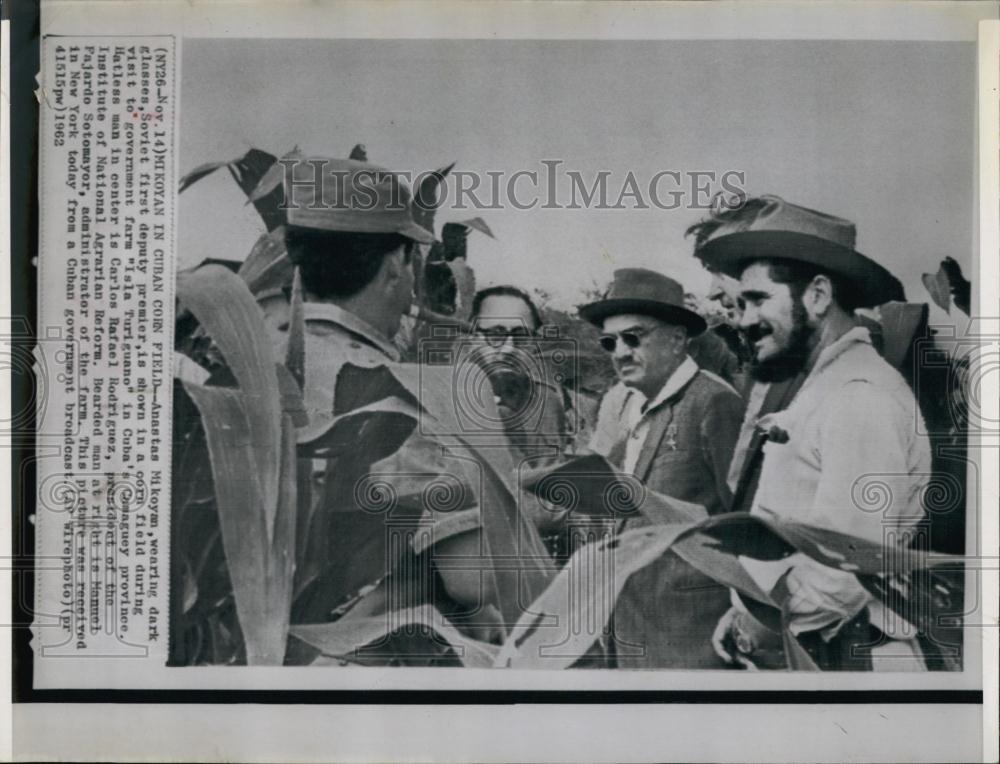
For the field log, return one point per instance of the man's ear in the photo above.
(393, 265)
(680, 337)
(818, 296)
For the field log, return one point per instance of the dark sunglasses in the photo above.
(496, 336)
(631, 339)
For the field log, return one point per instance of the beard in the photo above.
(790, 359)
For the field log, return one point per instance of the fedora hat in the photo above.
(355, 197)
(780, 230)
(638, 290)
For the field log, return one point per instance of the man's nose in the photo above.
(622, 352)
(715, 290)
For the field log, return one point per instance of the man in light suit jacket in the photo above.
(674, 426)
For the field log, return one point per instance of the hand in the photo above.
(724, 641)
(722, 636)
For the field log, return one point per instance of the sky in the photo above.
(878, 132)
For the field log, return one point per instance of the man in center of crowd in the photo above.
(680, 427)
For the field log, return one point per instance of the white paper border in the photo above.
(695, 732)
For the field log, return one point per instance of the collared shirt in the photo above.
(638, 410)
(333, 337)
(852, 458)
(854, 426)
(324, 319)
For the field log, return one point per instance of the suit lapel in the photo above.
(657, 428)
(663, 417)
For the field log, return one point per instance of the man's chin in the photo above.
(630, 378)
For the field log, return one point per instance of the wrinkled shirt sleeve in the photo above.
(873, 471)
(874, 467)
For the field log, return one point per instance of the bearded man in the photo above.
(849, 420)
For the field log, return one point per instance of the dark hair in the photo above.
(798, 275)
(338, 263)
(506, 290)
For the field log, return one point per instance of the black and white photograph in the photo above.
(464, 350)
(592, 367)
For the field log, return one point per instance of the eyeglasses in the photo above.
(496, 336)
(631, 339)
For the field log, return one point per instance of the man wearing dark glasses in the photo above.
(674, 426)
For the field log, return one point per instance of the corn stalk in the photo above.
(251, 445)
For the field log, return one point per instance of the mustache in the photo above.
(757, 332)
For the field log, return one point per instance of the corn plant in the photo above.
(242, 500)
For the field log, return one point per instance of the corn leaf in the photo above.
(902, 323)
(252, 453)
(588, 486)
(740, 534)
(961, 287)
(280, 560)
(272, 180)
(292, 402)
(347, 636)
(426, 198)
(939, 288)
(226, 310)
(560, 626)
(199, 172)
(507, 533)
(267, 266)
(260, 568)
(438, 287)
(798, 659)
(248, 171)
(905, 580)
(851, 553)
(295, 354)
(705, 554)
(930, 600)
(465, 286)
(250, 168)
(478, 224)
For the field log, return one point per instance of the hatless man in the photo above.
(505, 346)
(681, 423)
(503, 316)
(850, 421)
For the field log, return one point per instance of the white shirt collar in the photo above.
(681, 376)
(859, 334)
